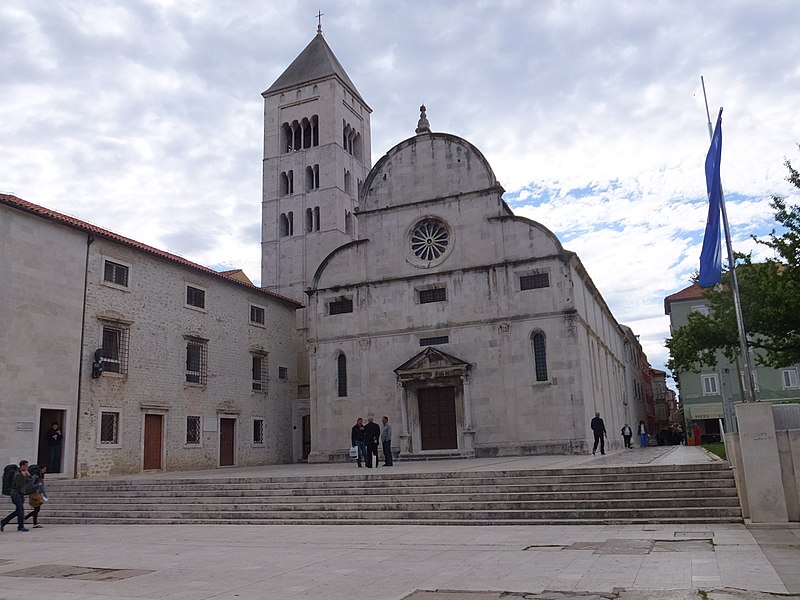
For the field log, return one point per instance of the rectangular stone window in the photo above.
(192, 431)
(257, 314)
(109, 428)
(115, 273)
(338, 307)
(433, 295)
(434, 341)
(283, 373)
(259, 373)
(195, 297)
(258, 431)
(115, 349)
(534, 281)
(196, 361)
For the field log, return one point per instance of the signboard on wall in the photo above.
(706, 411)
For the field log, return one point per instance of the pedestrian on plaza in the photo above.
(38, 497)
(643, 439)
(386, 442)
(20, 486)
(627, 434)
(698, 435)
(372, 433)
(54, 439)
(599, 430)
(358, 439)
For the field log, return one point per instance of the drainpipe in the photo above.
(89, 240)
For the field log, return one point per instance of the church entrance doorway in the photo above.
(47, 454)
(437, 418)
(306, 436)
(153, 436)
(227, 429)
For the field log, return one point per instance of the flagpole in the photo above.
(746, 378)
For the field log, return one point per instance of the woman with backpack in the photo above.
(38, 497)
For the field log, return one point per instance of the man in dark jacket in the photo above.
(358, 440)
(372, 433)
(599, 430)
(23, 482)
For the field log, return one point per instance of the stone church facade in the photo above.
(426, 299)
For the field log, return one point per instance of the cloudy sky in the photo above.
(145, 116)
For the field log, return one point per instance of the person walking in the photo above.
(54, 440)
(643, 441)
(19, 487)
(627, 434)
(386, 442)
(697, 434)
(358, 439)
(372, 433)
(38, 497)
(599, 430)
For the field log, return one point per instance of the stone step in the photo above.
(619, 495)
(240, 496)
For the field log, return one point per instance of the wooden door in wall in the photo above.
(437, 418)
(153, 436)
(227, 430)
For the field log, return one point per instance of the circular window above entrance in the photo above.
(430, 241)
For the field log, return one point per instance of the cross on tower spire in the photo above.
(320, 14)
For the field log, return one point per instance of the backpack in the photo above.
(8, 478)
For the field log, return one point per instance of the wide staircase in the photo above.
(634, 494)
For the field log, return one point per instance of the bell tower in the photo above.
(316, 156)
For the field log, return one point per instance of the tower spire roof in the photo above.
(316, 61)
(423, 126)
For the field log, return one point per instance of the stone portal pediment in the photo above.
(430, 364)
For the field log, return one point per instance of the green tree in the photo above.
(770, 297)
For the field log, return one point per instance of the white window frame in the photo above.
(100, 412)
(111, 284)
(789, 379)
(186, 287)
(710, 377)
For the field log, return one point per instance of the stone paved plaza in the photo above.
(332, 562)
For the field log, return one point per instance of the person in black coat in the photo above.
(372, 433)
(599, 430)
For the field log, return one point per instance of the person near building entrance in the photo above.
(698, 435)
(386, 442)
(599, 430)
(54, 438)
(372, 432)
(22, 483)
(358, 439)
(643, 440)
(38, 497)
(627, 434)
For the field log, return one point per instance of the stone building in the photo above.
(198, 367)
(427, 299)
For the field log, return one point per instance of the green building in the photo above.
(701, 392)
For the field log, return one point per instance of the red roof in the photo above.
(693, 292)
(51, 215)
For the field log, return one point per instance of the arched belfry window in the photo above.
(341, 375)
(539, 346)
(284, 225)
(309, 220)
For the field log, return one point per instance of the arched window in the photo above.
(539, 355)
(341, 375)
(315, 130)
(297, 136)
(316, 177)
(284, 184)
(286, 138)
(309, 179)
(290, 218)
(316, 218)
(348, 185)
(309, 220)
(284, 225)
(306, 134)
(357, 146)
(348, 223)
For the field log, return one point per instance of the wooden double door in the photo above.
(437, 418)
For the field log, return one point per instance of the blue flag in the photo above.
(711, 255)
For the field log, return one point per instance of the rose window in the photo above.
(429, 240)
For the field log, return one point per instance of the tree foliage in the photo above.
(770, 297)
